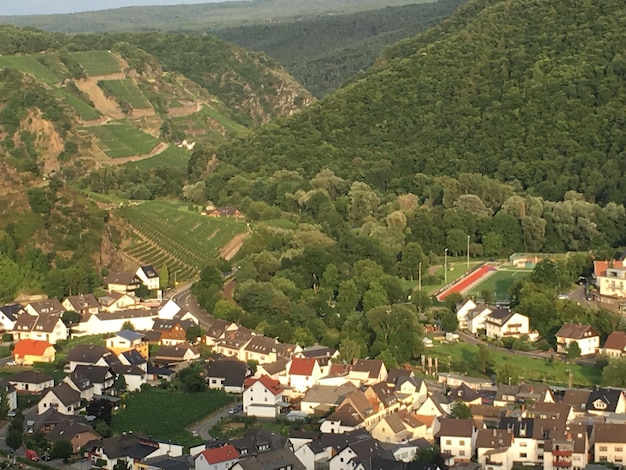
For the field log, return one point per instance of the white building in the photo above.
(63, 398)
(457, 437)
(262, 397)
(149, 277)
(504, 323)
(217, 458)
(588, 339)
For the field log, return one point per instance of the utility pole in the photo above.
(468, 240)
(445, 267)
(419, 277)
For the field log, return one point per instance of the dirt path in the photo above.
(106, 106)
(184, 111)
(229, 289)
(229, 250)
(160, 148)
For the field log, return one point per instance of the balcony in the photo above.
(562, 453)
(562, 463)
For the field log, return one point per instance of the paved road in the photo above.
(185, 299)
(203, 427)
(578, 295)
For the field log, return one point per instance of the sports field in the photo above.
(499, 283)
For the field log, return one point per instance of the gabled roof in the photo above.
(384, 393)
(30, 376)
(124, 278)
(616, 341)
(608, 396)
(30, 347)
(500, 313)
(47, 307)
(67, 429)
(149, 271)
(11, 311)
(577, 399)
(600, 267)
(576, 331)
(494, 438)
(134, 357)
(66, 394)
(257, 440)
(44, 323)
(130, 335)
(273, 459)
(81, 302)
(394, 374)
(302, 366)
(275, 367)
(273, 386)
(176, 351)
(317, 350)
(610, 433)
(87, 353)
(220, 454)
(232, 371)
(372, 366)
(261, 345)
(463, 393)
(328, 394)
(95, 374)
(456, 427)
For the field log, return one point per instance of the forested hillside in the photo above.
(325, 51)
(531, 93)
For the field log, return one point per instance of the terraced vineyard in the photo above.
(120, 140)
(96, 63)
(125, 91)
(171, 235)
(31, 65)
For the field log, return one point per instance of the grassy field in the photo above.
(120, 140)
(125, 91)
(170, 234)
(172, 156)
(530, 369)
(30, 65)
(198, 121)
(456, 268)
(164, 414)
(83, 110)
(499, 283)
(97, 62)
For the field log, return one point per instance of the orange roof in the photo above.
(302, 366)
(600, 267)
(427, 420)
(269, 383)
(221, 454)
(30, 347)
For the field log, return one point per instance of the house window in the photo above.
(523, 444)
(523, 455)
(462, 442)
(603, 449)
(618, 449)
(603, 458)
(448, 442)
(462, 453)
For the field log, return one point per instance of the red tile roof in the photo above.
(272, 385)
(221, 454)
(30, 347)
(600, 267)
(302, 366)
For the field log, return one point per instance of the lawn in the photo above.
(530, 369)
(164, 414)
(83, 110)
(499, 283)
(125, 91)
(97, 62)
(29, 65)
(456, 268)
(161, 225)
(173, 156)
(121, 140)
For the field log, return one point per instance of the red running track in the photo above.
(466, 282)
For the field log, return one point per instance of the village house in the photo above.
(303, 373)
(62, 398)
(504, 323)
(113, 322)
(609, 442)
(172, 331)
(175, 355)
(44, 307)
(99, 377)
(127, 340)
(117, 302)
(587, 338)
(217, 458)
(320, 399)
(494, 449)
(31, 381)
(603, 401)
(462, 310)
(568, 448)
(615, 345)
(457, 439)
(611, 278)
(123, 282)
(8, 316)
(227, 374)
(279, 459)
(77, 433)
(10, 394)
(45, 327)
(368, 371)
(82, 304)
(577, 399)
(87, 354)
(262, 397)
(149, 277)
(476, 319)
(233, 343)
(227, 211)
(397, 427)
(261, 349)
(28, 351)
(106, 452)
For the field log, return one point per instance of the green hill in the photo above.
(528, 92)
(324, 51)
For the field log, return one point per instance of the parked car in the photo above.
(11, 363)
(46, 457)
(32, 455)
